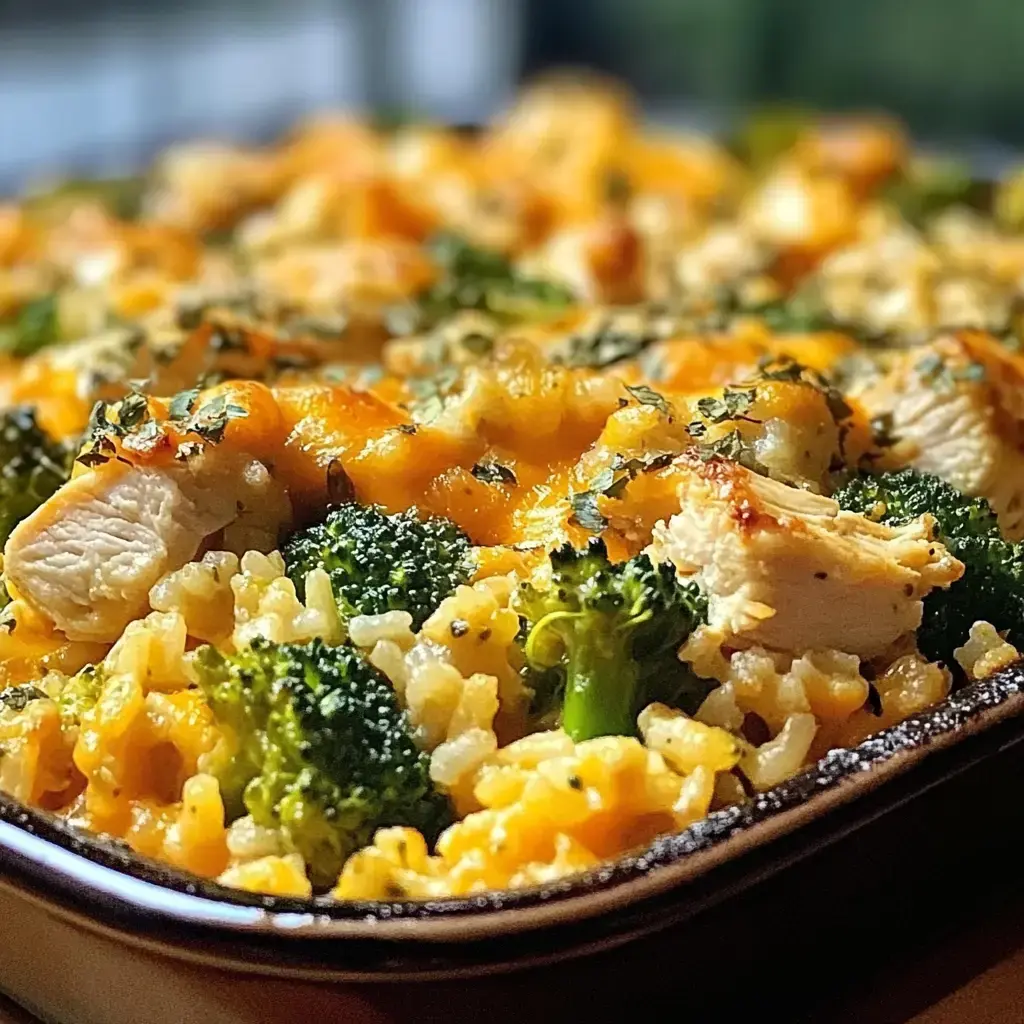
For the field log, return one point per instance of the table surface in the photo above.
(975, 974)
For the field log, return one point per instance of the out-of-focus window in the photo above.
(100, 87)
(953, 69)
(99, 91)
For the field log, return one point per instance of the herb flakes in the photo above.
(585, 512)
(212, 418)
(940, 376)
(734, 404)
(481, 279)
(648, 396)
(182, 404)
(490, 472)
(606, 346)
(430, 393)
(735, 448)
(611, 482)
(17, 698)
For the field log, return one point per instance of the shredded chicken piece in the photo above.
(87, 558)
(789, 570)
(956, 412)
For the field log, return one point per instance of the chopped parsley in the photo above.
(475, 278)
(132, 411)
(784, 368)
(585, 512)
(17, 698)
(734, 404)
(648, 396)
(131, 421)
(430, 393)
(940, 376)
(210, 420)
(182, 404)
(611, 482)
(607, 345)
(490, 472)
(734, 447)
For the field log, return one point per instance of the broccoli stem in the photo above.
(600, 688)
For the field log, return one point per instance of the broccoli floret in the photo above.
(904, 494)
(768, 133)
(32, 467)
(35, 326)
(606, 637)
(324, 751)
(992, 586)
(379, 562)
(928, 187)
(123, 197)
(475, 278)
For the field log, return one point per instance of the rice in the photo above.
(531, 808)
(984, 652)
(229, 601)
(548, 807)
(455, 677)
(777, 759)
(368, 630)
(266, 604)
(279, 875)
(201, 593)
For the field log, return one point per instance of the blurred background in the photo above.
(99, 87)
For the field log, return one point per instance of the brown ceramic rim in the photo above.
(40, 847)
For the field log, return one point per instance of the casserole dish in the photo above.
(431, 556)
(136, 941)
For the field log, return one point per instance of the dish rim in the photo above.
(83, 865)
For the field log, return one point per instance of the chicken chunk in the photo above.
(786, 569)
(87, 558)
(955, 407)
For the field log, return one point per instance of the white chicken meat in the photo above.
(788, 570)
(86, 559)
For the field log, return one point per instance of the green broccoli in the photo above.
(929, 186)
(35, 326)
(123, 197)
(325, 753)
(32, 467)
(769, 132)
(475, 278)
(379, 562)
(992, 587)
(605, 638)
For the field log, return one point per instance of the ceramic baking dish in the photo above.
(125, 939)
